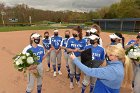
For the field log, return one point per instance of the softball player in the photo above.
(56, 53)
(96, 30)
(75, 44)
(38, 50)
(47, 46)
(97, 54)
(63, 46)
(117, 39)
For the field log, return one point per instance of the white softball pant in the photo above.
(31, 78)
(56, 57)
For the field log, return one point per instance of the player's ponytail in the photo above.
(79, 30)
(30, 40)
(128, 72)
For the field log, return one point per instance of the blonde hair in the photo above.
(128, 70)
(97, 27)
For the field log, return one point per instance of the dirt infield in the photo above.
(12, 81)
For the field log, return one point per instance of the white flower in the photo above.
(131, 50)
(23, 57)
(20, 60)
(30, 60)
(20, 68)
(27, 54)
(17, 63)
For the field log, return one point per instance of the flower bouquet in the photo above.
(133, 53)
(28, 61)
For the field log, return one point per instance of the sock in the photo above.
(132, 84)
(77, 77)
(54, 68)
(83, 88)
(49, 65)
(28, 92)
(68, 69)
(71, 77)
(59, 67)
(39, 88)
(91, 88)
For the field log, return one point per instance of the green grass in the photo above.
(18, 28)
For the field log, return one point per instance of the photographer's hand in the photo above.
(72, 56)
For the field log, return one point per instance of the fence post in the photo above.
(121, 25)
(134, 26)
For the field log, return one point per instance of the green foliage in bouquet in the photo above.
(127, 50)
(23, 61)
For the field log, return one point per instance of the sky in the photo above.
(55, 5)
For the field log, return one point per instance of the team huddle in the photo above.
(105, 79)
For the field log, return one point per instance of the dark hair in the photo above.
(46, 32)
(30, 39)
(79, 30)
(138, 36)
(120, 35)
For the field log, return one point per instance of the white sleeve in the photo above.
(50, 41)
(101, 42)
(25, 49)
(62, 43)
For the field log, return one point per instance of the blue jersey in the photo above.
(64, 42)
(56, 41)
(73, 44)
(38, 51)
(46, 43)
(131, 42)
(98, 52)
(86, 39)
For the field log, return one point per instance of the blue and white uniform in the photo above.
(73, 44)
(39, 52)
(63, 44)
(98, 53)
(47, 45)
(56, 43)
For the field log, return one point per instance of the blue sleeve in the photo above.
(103, 55)
(85, 48)
(84, 44)
(101, 73)
(43, 43)
(130, 42)
(68, 44)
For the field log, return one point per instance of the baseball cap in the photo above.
(93, 30)
(88, 31)
(55, 31)
(114, 36)
(35, 35)
(93, 37)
